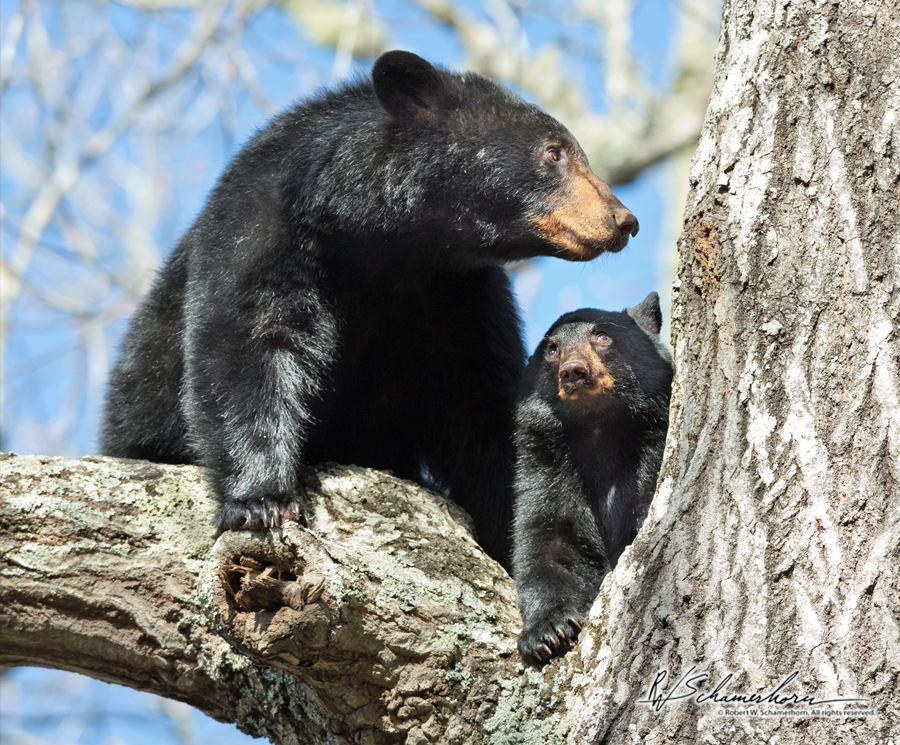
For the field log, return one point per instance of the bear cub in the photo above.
(341, 297)
(592, 419)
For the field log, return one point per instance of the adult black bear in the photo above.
(341, 297)
(592, 421)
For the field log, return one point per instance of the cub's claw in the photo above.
(547, 637)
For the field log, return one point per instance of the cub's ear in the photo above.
(407, 86)
(647, 315)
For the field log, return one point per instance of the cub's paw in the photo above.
(260, 514)
(550, 635)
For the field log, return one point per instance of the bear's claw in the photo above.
(261, 514)
(548, 637)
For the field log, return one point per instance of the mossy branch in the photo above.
(385, 623)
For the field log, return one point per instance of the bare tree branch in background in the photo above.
(92, 117)
(641, 125)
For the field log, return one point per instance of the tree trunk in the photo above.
(773, 543)
(772, 547)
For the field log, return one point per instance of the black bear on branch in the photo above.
(592, 421)
(341, 296)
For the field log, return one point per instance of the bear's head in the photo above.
(593, 361)
(483, 165)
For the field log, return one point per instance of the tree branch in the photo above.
(108, 568)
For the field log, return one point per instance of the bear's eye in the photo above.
(552, 351)
(554, 154)
(603, 338)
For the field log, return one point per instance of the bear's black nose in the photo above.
(572, 372)
(626, 222)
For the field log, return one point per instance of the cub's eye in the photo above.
(552, 352)
(603, 338)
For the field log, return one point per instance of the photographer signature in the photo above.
(659, 698)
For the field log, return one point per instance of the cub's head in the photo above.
(493, 169)
(594, 361)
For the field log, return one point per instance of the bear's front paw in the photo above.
(551, 635)
(259, 514)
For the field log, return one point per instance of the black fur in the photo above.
(341, 298)
(592, 420)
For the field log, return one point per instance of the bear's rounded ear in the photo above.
(647, 315)
(406, 85)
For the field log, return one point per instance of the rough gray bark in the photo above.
(108, 568)
(773, 544)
